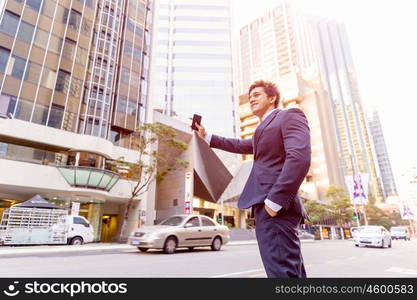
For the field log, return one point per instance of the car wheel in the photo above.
(216, 244)
(191, 248)
(170, 245)
(141, 249)
(356, 245)
(77, 241)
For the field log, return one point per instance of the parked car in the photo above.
(373, 235)
(80, 230)
(400, 233)
(181, 231)
(305, 235)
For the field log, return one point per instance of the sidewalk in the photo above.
(16, 251)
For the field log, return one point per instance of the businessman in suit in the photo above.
(282, 153)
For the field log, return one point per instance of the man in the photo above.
(281, 149)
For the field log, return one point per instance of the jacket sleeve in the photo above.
(296, 138)
(232, 145)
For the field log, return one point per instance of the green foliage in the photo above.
(153, 164)
(340, 206)
(316, 211)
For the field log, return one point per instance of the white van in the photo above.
(80, 230)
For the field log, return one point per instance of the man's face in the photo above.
(259, 101)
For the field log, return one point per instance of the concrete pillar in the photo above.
(321, 232)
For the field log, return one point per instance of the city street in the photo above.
(322, 259)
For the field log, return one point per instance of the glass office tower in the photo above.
(193, 62)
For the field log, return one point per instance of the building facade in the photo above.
(280, 47)
(73, 88)
(355, 147)
(193, 62)
(384, 163)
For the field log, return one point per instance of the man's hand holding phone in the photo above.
(196, 125)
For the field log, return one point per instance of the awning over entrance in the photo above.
(211, 177)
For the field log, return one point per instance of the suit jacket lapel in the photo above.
(261, 127)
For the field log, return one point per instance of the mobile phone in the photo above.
(196, 119)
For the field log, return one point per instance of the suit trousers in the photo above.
(278, 243)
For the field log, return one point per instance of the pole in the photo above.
(357, 215)
(222, 209)
(364, 215)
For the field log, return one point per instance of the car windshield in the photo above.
(172, 221)
(398, 229)
(371, 230)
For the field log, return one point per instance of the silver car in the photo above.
(181, 231)
(376, 236)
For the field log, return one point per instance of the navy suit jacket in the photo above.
(282, 155)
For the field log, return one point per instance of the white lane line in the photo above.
(263, 274)
(402, 271)
(237, 273)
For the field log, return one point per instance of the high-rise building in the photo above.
(73, 88)
(355, 149)
(384, 163)
(193, 62)
(280, 47)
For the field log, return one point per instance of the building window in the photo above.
(7, 104)
(56, 115)
(41, 38)
(62, 82)
(33, 72)
(9, 23)
(17, 66)
(48, 8)
(137, 53)
(48, 78)
(69, 49)
(25, 32)
(61, 14)
(121, 104)
(74, 19)
(125, 75)
(128, 49)
(23, 110)
(130, 25)
(81, 56)
(131, 108)
(4, 57)
(75, 90)
(35, 4)
(86, 27)
(55, 44)
(40, 114)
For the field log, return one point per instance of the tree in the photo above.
(340, 206)
(376, 216)
(152, 164)
(316, 211)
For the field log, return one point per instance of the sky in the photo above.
(384, 48)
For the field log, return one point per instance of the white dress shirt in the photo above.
(272, 205)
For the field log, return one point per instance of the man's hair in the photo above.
(269, 87)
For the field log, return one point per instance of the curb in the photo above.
(19, 251)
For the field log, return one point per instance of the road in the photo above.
(322, 259)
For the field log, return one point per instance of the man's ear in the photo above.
(272, 99)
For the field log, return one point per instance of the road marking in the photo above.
(402, 271)
(237, 273)
(263, 274)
